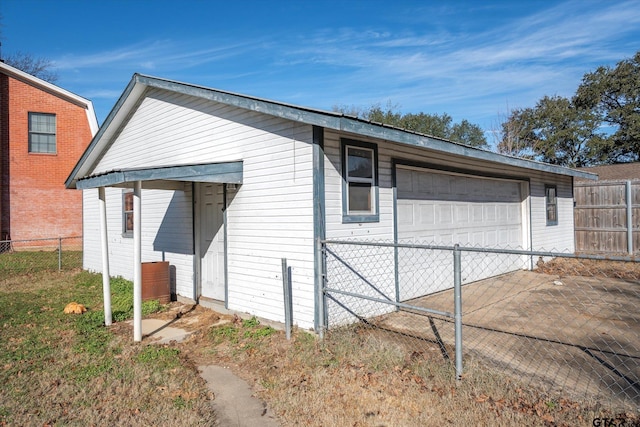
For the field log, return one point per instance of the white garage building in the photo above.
(223, 186)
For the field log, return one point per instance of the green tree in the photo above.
(614, 93)
(377, 114)
(436, 125)
(468, 134)
(555, 131)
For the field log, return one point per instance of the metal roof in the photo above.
(134, 93)
(227, 172)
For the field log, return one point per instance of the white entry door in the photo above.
(211, 242)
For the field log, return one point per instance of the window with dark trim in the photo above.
(127, 213)
(359, 182)
(551, 204)
(42, 133)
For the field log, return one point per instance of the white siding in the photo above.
(166, 233)
(534, 232)
(169, 129)
(370, 263)
(270, 216)
(335, 229)
(556, 238)
(559, 237)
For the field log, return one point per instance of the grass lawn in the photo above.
(60, 369)
(25, 262)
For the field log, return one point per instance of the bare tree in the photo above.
(39, 67)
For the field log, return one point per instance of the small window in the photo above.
(127, 213)
(360, 182)
(42, 133)
(551, 204)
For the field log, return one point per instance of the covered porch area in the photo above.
(209, 183)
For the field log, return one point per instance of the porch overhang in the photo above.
(164, 176)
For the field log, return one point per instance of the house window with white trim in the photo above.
(551, 204)
(360, 181)
(127, 213)
(42, 133)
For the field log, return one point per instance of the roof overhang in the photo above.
(345, 123)
(159, 177)
(139, 84)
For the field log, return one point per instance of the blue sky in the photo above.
(473, 60)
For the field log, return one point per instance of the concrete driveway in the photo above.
(575, 335)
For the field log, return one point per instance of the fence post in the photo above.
(320, 300)
(629, 218)
(59, 253)
(457, 295)
(288, 302)
(396, 272)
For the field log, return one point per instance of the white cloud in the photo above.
(423, 66)
(156, 54)
(542, 54)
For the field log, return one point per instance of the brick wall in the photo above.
(4, 156)
(39, 204)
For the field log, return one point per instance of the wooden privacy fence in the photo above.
(607, 217)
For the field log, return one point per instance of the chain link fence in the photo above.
(29, 256)
(567, 324)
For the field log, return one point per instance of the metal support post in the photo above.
(288, 298)
(629, 218)
(59, 253)
(457, 295)
(320, 302)
(106, 284)
(137, 262)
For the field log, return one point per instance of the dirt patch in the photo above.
(591, 268)
(564, 334)
(363, 376)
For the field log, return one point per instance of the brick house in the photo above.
(43, 131)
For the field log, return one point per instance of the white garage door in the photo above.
(448, 209)
(440, 208)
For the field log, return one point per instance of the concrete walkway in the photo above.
(234, 404)
(159, 331)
